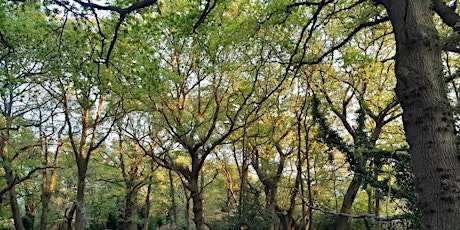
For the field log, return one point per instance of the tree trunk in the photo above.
(148, 203)
(350, 195)
(130, 209)
(172, 193)
(244, 174)
(271, 204)
(48, 187)
(197, 200)
(308, 220)
(427, 117)
(10, 178)
(30, 205)
(286, 222)
(80, 214)
(15, 209)
(13, 198)
(187, 211)
(46, 198)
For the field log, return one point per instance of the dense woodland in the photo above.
(216, 114)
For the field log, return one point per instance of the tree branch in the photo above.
(123, 12)
(447, 14)
(206, 11)
(17, 181)
(346, 40)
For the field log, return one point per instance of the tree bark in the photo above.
(15, 209)
(12, 193)
(148, 202)
(427, 117)
(187, 211)
(48, 186)
(80, 214)
(14, 203)
(343, 221)
(172, 193)
(9, 175)
(271, 191)
(130, 208)
(197, 200)
(46, 198)
(30, 206)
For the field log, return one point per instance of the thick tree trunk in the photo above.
(197, 200)
(350, 195)
(271, 203)
(286, 222)
(130, 209)
(427, 117)
(244, 174)
(46, 198)
(80, 214)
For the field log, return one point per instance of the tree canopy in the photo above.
(213, 114)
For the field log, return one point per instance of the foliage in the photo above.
(253, 216)
(245, 99)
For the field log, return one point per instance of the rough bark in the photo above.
(271, 191)
(427, 117)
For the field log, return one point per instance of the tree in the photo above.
(20, 65)
(49, 156)
(421, 91)
(83, 90)
(203, 71)
(363, 108)
(427, 117)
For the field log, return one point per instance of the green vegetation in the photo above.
(228, 115)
